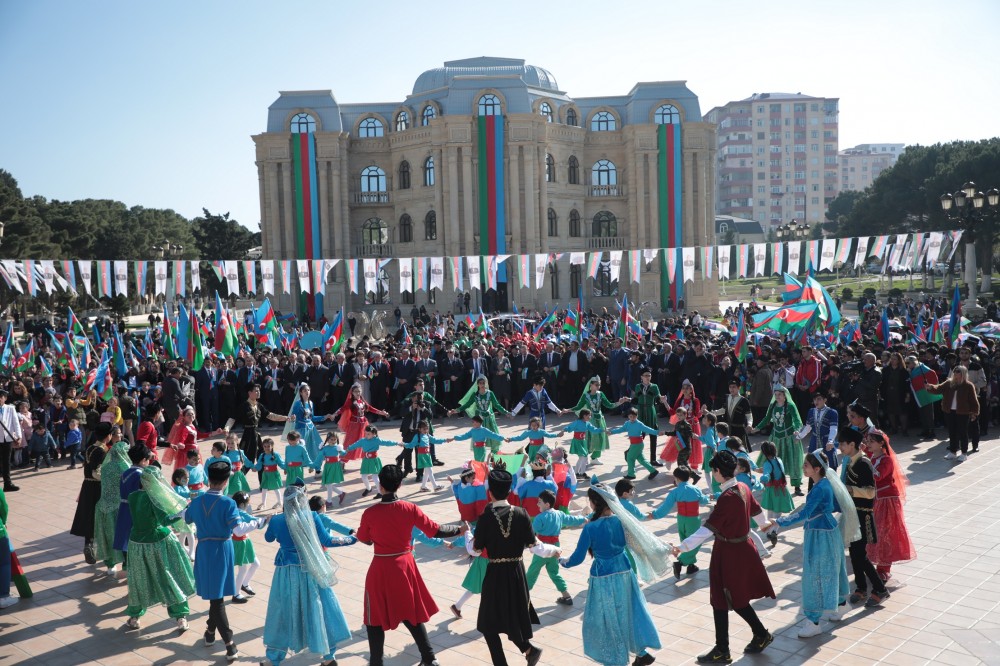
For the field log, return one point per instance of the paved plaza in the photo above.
(944, 608)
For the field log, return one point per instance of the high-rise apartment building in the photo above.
(777, 157)
(861, 165)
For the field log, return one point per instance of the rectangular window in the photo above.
(788, 121)
(814, 134)
(814, 174)
(760, 175)
(814, 147)
(760, 189)
(814, 200)
(760, 202)
(760, 136)
(815, 187)
(788, 135)
(788, 162)
(775, 108)
(800, 108)
(800, 175)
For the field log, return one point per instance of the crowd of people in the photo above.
(789, 421)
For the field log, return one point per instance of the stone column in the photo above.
(451, 244)
(543, 200)
(638, 199)
(514, 222)
(468, 193)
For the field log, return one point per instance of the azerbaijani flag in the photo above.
(104, 278)
(264, 320)
(742, 346)
(250, 274)
(25, 361)
(225, 337)
(492, 206)
(883, 328)
(7, 346)
(194, 352)
(670, 205)
(118, 352)
(920, 377)
(334, 337)
(168, 335)
(550, 318)
(572, 322)
(594, 264)
(623, 318)
(407, 338)
(73, 324)
(790, 318)
(179, 281)
(140, 276)
(955, 322)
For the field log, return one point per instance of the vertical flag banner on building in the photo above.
(437, 273)
(159, 278)
(475, 267)
(319, 276)
(286, 276)
(724, 261)
(420, 273)
(777, 258)
(48, 270)
(457, 274)
(635, 265)
(594, 264)
(524, 270)
(861, 253)
(795, 257)
(306, 192)
(670, 259)
(302, 272)
(616, 265)
(180, 283)
(827, 255)
(121, 278)
(232, 275)
(843, 250)
(492, 215)
(70, 274)
(670, 185)
(371, 275)
(267, 275)
(744, 260)
(687, 261)
(493, 266)
(9, 273)
(195, 276)
(250, 276)
(759, 258)
(879, 247)
(104, 278)
(813, 255)
(85, 273)
(405, 275)
(353, 275)
(541, 265)
(140, 277)
(650, 255)
(707, 258)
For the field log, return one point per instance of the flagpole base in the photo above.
(973, 311)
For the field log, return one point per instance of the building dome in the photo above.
(441, 77)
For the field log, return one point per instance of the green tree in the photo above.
(218, 237)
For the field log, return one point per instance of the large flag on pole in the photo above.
(225, 336)
(742, 347)
(955, 322)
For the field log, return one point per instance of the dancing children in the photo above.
(744, 474)
(183, 531)
(196, 474)
(775, 499)
(316, 505)
(530, 489)
(535, 434)
(218, 451)
(217, 519)
(894, 544)
(579, 448)
(547, 525)
(480, 436)
(635, 429)
(821, 422)
(268, 464)
(709, 439)
(688, 499)
(469, 495)
(331, 455)
(296, 456)
(244, 556)
(736, 573)
(537, 400)
(239, 461)
(679, 445)
(625, 491)
(421, 442)
(371, 464)
(645, 395)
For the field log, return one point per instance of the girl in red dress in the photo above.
(183, 438)
(894, 544)
(692, 413)
(354, 420)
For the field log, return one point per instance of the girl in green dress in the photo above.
(594, 399)
(106, 513)
(480, 401)
(784, 418)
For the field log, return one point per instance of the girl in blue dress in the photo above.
(303, 418)
(616, 621)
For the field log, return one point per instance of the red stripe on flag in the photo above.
(491, 180)
(671, 218)
(306, 191)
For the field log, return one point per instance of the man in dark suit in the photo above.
(476, 367)
(404, 371)
(318, 378)
(548, 364)
(170, 395)
(449, 380)
(341, 379)
(203, 380)
(272, 379)
(617, 370)
(427, 369)
(737, 413)
(698, 368)
(381, 380)
(574, 371)
(523, 366)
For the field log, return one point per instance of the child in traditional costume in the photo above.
(196, 474)
(536, 435)
(537, 401)
(775, 499)
(548, 524)
(894, 543)
(371, 465)
(183, 531)
(316, 505)
(239, 461)
(783, 417)
(421, 442)
(245, 558)
(594, 399)
(635, 429)
(302, 418)
(106, 513)
(354, 420)
(580, 428)
(645, 397)
(709, 439)
(331, 461)
(688, 499)
(296, 458)
(480, 436)
(480, 401)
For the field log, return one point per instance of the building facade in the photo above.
(861, 165)
(777, 157)
(487, 156)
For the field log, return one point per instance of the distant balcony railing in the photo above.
(371, 198)
(373, 250)
(606, 243)
(606, 191)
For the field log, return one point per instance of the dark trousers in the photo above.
(864, 570)
(495, 645)
(721, 616)
(5, 567)
(652, 450)
(376, 643)
(927, 419)
(219, 621)
(958, 432)
(5, 449)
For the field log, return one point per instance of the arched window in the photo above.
(405, 229)
(550, 169)
(571, 117)
(371, 128)
(605, 225)
(373, 179)
(603, 286)
(429, 172)
(666, 114)
(303, 123)
(428, 114)
(545, 110)
(603, 121)
(553, 222)
(604, 173)
(574, 223)
(430, 226)
(404, 175)
(574, 171)
(489, 105)
(381, 295)
(374, 232)
(402, 121)
(575, 278)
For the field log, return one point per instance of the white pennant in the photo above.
(794, 257)
(687, 258)
(862, 252)
(474, 268)
(371, 275)
(577, 258)
(616, 264)
(406, 275)
(724, 253)
(232, 276)
(10, 274)
(48, 274)
(541, 265)
(267, 275)
(437, 272)
(195, 276)
(828, 252)
(650, 254)
(159, 278)
(121, 277)
(85, 267)
(302, 272)
(759, 258)
(935, 240)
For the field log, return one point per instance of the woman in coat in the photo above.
(960, 404)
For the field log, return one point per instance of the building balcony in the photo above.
(369, 198)
(606, 243)
(369, 250)
(606, 191)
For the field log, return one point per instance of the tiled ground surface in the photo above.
(945, 606)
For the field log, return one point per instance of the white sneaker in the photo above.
(838, 615)
(950, 456)
(961, 457)
(809, 629)
(7, 602)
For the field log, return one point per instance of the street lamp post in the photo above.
(164, 250)
(977, 213)
(792, 231)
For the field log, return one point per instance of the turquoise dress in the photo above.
(301, 614)
(370, 463)
(305, 424)
(616, 620)
(824, 568)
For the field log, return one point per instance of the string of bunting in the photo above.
(109, 278)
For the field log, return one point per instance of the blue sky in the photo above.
(154, 104)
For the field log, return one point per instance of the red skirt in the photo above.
(669, 452)
(394, 591)
(737, 575)
(894, 544)
(355, 431)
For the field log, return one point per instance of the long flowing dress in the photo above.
(616, 620)
(249, 415)
(305, 423)
(353, 421)
(894, 543)
(301, 614)
(159, 570)
(596, 402)
(824, 567)
(90, 493)
(786, 422)
(483, 404)
(106, 512)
